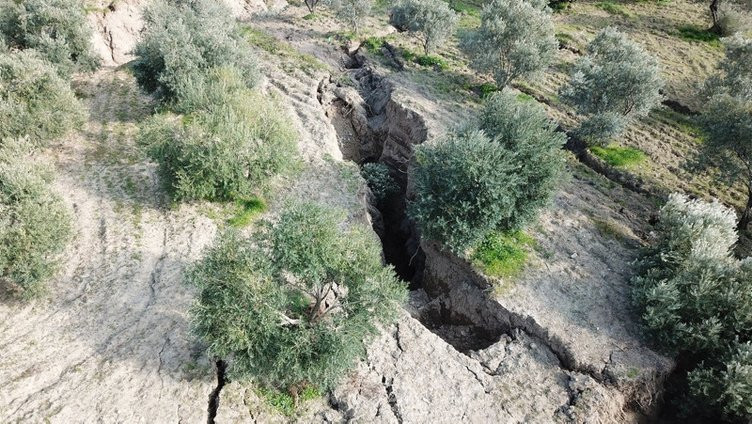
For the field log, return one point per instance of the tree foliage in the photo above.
(612, 85)
(353, 12)
(432, 21)
(381, 183)
(58, 29)
(727, 120)
(34, 100)
(229, 146)
(182, 40)
(34, 223)
(728, 386)
(295, 304)
(515, 39)
(696, 299)
(493, 175)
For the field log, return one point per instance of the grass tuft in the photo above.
(503, 254)
(245, 211)
(698, 34)
(619, 156)
(284, 402)
(613, 8)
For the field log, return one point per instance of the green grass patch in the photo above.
(284, 402)
(431, 61)
(465, 7)
(373, 44)
(309, 17)
(483, 90)
(619, 156)
(698, 34)
(560, 6)
(245, 211)
(503, 254)
(272, 45)
(613, 8)
(525, 97)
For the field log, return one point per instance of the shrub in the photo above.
(379, 180)
(58, 29)
(515, 39)
(353, 12)
(229, 147)
(34, 100)
(727, 387)
(493, 175)
(182, 40)
(430, 20)
(34, 223)
(294, 305)
(696, 300)
(614, 84)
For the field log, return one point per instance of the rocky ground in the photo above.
(110, 341)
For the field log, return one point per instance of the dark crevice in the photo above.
(221, 367)
(392, 399)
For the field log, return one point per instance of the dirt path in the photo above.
(110, 340)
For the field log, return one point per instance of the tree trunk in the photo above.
(714, 4)
(746, 215)
(311, 4)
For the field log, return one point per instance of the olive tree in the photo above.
(727, 386)
(295, 303)
(696, 300)
(58, 29)
(34, 100)
(727, 121)
(432, 21)
(515, 39)
(182, 40)
(229, 145)
(612, 85)
(35, 225)
(494, 174)
(353, 11)
(730, 17)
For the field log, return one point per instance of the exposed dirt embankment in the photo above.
(589, 330)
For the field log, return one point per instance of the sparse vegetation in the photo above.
(493, 175)
(515, 39)
(614, 84)
(182, 41)
(57, 29)
(35, 225)
(432, 21)
(34, 100)
(294, 304)
(614, 8)
(696, 300)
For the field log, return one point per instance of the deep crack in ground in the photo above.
(221, 367)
